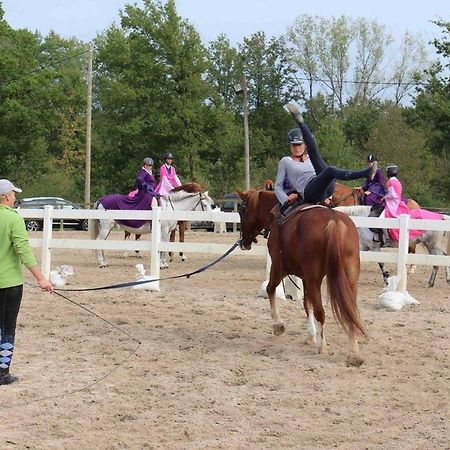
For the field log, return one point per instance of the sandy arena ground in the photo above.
(209, 372)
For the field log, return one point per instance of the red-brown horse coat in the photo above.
(310, 245)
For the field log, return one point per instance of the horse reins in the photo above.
(199, 202)
(139, 343)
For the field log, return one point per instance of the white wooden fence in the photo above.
(401, 257)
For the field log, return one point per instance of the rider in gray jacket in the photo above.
(305, 169)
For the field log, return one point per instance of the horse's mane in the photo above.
(191, 188)
(253, 198)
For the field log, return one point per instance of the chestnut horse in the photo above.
(312, 243)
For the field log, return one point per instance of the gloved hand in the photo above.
(296, 114)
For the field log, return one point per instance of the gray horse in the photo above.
(370, 241)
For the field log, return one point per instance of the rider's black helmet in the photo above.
(391, 171)
(372, 158)
(167, 155)
(148, 161)
(295, 136)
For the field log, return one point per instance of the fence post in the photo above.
(235, 209)
(403, 245)
(46, 238)
(156, 239)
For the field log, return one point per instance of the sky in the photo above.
(235, 18)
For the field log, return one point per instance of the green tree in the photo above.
(151, 92)
(397, 143)
(352, 60)
(432, 110)
(41, 131)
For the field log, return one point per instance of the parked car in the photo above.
(231, 202)
(57, 202)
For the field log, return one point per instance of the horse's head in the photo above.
(206, 202)
(345, 196)
(255, 215)
(188, 197)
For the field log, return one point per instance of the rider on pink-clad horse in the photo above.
(168, 178)
(395, 205)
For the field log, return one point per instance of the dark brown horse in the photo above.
(314, 242)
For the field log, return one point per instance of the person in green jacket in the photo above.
(15, 251)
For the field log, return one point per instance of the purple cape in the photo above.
(141, 202)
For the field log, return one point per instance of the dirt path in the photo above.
(210, 374)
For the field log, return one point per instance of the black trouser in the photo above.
(323, 185)
(10, 299)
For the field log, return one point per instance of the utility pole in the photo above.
(87, 176)
(241, 88)
(246, 134)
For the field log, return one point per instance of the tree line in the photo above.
(159, 88)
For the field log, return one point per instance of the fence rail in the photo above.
(401, 257)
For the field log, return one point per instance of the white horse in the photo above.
(188, 197)
(370, 241)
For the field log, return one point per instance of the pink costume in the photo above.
(168, 179)
(395, 207)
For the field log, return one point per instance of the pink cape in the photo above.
(168, 181)
(395, 207)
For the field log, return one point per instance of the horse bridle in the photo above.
(262, 232)
(201, 197)
(352, 194)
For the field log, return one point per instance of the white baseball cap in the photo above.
(6, 186)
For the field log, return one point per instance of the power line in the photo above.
(382, 83)
(41, 68)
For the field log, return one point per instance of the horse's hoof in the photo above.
(322, 350)
(354, 360)
(183, 258)
(103, 266)
(278, 329)
(310, 340)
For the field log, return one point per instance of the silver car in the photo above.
(57, 202)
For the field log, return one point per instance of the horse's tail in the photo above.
(339, 266)
(93, 226)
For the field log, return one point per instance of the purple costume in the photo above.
(376, 189)
(145, 182)
(141, 202)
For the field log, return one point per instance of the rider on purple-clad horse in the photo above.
(145, 181)
(140, 199)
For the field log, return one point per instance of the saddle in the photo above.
(283, 213)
